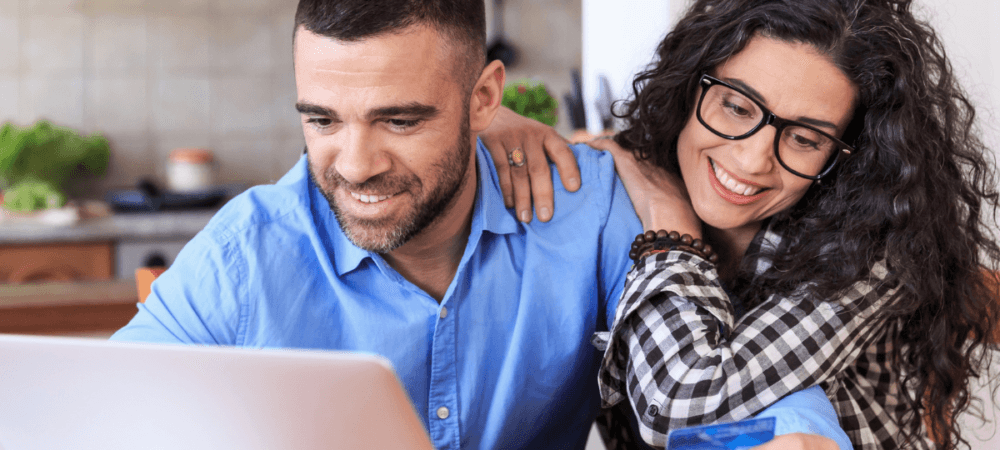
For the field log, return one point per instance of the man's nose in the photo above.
(359, 156)
(755, 154)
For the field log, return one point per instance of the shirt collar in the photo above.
(489, 214)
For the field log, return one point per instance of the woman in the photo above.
(825, 152)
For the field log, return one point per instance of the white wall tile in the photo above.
(181, 104)
(285, 119)
(8, 97)
(180, 45)
(131, 160)
(242, 160)
(10, 7)
(58, 99)
(241, 45)
(240, 107)
(52, 7)
(53, 45)
(98, 8)
(118, 46)
(117, 105)
(285, 154)
(198, 8)
(258, 7)
(9, 42)
(282, 27)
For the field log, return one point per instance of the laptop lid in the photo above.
(73, 393)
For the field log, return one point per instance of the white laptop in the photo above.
(66, 393)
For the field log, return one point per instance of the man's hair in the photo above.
(461, 22)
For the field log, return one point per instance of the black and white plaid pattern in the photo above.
(683, 359)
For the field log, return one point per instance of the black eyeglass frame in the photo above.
(772, 119)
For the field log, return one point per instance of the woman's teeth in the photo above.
(369, 198)
(734, 186)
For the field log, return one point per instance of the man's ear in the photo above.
(486, 96)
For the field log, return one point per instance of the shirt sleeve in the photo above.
(196, 301)
(807, 411)
(680, 358)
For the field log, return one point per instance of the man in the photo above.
(391, 236)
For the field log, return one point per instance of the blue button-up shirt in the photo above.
(504, 361)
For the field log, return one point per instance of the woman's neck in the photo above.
(731, 245)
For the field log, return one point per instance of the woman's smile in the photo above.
(733, 189)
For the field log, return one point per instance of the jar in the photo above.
(190, 170)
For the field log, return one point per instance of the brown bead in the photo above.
(674, 235)
(650, 236)
(686, 239)
(697, 244)
(661, 234)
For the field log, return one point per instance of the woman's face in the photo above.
(734, 185)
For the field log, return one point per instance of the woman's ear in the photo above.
(486, 96)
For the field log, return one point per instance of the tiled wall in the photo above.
(154, 75)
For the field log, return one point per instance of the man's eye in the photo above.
(403, 124)
(319, 122)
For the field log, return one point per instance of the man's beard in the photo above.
(387, 234)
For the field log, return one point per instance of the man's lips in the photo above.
(731, 189)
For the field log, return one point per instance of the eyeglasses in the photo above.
(732, 114)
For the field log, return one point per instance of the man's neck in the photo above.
(430, 259)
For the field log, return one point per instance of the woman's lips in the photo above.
(729, 195)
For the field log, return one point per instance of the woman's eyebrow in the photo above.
(760, 98)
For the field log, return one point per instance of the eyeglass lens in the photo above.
(731, 113)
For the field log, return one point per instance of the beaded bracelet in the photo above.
(661, 241)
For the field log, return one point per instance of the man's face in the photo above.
(387, 128)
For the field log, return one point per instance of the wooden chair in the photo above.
(144, 277)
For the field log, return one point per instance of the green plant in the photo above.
(531, 100)
(36, 161)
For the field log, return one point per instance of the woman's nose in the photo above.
(755, 154)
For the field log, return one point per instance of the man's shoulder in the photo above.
(285, 201)
(597, 169)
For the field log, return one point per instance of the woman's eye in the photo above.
(736, 109)
(804, 142)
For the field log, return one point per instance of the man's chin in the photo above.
(378, 236)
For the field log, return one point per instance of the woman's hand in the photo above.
(799, 441)
(531, 181)
(660, 198)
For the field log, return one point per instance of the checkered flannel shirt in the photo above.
(682, 359)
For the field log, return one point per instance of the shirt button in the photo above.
(442, 413)
(444, 312)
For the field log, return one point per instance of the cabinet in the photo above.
(60, 262)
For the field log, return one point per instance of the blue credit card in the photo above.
(726, 436)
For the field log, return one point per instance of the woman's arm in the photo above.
(679, 357)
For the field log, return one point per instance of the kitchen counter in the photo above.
(117, 227)
(81, 308)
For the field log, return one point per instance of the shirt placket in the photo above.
(442, 405)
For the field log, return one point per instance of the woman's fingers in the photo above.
(522, 185)
(558, 151)
(541, 181)
(500, 161)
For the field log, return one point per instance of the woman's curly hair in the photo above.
(917, 191)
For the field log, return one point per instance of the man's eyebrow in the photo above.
(760, 98)
(316, 110)
(410, 110)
